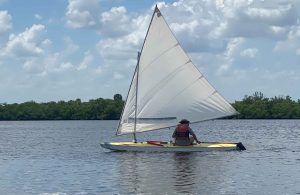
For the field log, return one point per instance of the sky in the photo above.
(55, 50)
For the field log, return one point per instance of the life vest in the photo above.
(182, 130)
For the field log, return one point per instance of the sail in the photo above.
(170, 87)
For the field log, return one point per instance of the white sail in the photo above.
(170, 87)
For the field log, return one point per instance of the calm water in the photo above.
(64, 157)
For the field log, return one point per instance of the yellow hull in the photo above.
(170, 147)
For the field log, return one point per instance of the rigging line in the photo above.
(155, 10)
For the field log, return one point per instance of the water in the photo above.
(64, 157)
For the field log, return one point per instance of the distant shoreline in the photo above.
(119, 119)
(255, 107)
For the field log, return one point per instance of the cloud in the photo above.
(87, 60)
(230, 40)
(291, 43)
(33, 50)
(27, 43)
(115, 22)
(201, 26)
(222, 31)
(52, 62)
(277, 15)
(250, 52)
(44, 65)
(5, 21)
(254, 18)
(70, 47)
(228, 56)
(124, 48)
(82, 14)
(118, 76)
(37, 16)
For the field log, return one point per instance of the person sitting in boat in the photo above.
(182, 132)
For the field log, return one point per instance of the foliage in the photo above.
(259, 107)
(98, 109)
(255, 106)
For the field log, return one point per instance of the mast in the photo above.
(136, 96)
(156, 10)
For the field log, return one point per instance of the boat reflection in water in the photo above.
(168, 173)
(185, 173)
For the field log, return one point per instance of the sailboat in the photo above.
(167, 87)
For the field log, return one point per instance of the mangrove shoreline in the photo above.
(255, 106)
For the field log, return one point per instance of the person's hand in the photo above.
(198, 142)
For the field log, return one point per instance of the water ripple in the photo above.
(65, 158)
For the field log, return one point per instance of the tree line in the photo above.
(255, 106)
(95, 109)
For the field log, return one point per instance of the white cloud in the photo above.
(27, 43)
(278, 30)
(213, 29)
(65, 66)
(50, 62)
(125, 47)
(115, 22)
(118, 76)
(87, 60)
(220, 35)
(199, 25)
(256, 18)
(46, 64)
(37, 16)
(99, 70)
(250, 52)
(116, 49)
(5, 21)
(46, 43)
(291, 43)
(70, 47)
(275, 14)
(82, 14)
(32, 66)
(31, 49)
(228, 56)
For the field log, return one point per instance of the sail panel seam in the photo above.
(159, 56)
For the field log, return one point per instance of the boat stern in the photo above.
(240, 146)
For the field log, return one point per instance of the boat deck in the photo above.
(157, 146)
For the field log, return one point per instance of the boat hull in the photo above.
(170, 147)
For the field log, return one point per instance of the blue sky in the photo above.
(67, 49)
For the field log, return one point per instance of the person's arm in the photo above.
(174, 133)
(194, 136)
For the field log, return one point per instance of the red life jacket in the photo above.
(182, 130)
